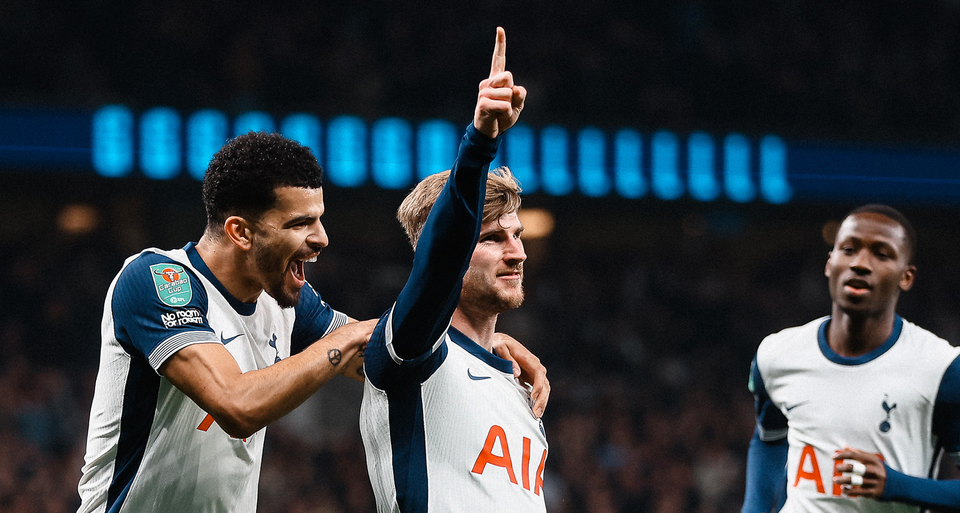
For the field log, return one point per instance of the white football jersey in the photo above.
(447, 428)
(149, 446)
(881, 402)
(476, 445)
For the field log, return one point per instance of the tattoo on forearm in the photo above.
(335, 356)
(360, 354)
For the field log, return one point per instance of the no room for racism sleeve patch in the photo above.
(182, 317)
(173, 284)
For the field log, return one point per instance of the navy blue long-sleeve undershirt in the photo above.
(427, 301)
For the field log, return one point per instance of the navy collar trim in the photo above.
(831, 355)
(473, 348)
(198, 263)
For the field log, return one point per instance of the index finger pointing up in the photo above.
(499, 63)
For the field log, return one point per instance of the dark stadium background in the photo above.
(646, 312)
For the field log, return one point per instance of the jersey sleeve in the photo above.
(771, 423)
(946, 411)
(315, 319)
(766, 479)
(159, 306)
(413, 329)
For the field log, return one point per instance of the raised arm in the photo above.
(427, 301)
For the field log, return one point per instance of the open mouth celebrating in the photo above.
(295, 268)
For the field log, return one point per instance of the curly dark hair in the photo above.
(243, 175)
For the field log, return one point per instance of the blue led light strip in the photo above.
(392, 153)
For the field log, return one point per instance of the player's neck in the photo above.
(480, 328)
(224, 262)
(852, 335)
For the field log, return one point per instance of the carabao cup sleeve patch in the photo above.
(172, 284)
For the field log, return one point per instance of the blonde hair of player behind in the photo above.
(502, 197)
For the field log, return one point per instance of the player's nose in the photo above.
(318, 236)
(860, 262)
(514, 252)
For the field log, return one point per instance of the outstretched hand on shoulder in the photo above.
(500, 100)
(527, 368)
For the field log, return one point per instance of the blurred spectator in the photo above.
(646, 313)
(647, 330)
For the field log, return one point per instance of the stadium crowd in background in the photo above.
(646, 313)
(648, 345)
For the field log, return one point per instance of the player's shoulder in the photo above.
(788, 338)
(147, 262)
(310, 296)
(163, 271)
(929, 358)
(312, 306)
(151, 256)
(922, 342)
(789, 344)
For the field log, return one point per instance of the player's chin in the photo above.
(513, 300)
(287, 296)
(858, 308)
(289, 300)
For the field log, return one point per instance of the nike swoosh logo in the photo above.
(228, 340)
(476, 378)
(788, 408)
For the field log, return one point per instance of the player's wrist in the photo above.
(481, 147)
(894, 486)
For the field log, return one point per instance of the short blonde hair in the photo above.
(502, 197)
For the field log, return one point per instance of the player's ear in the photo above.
(907, 278)
(239, 231)
(826, 267)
